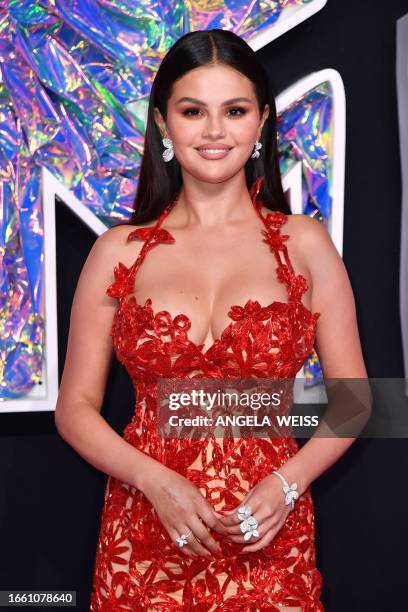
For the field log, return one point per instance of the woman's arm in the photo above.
(88, 359)
(178, 503)
(337, 343)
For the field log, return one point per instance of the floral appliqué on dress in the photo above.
(137, 565)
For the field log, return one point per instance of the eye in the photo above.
(240, 110)
(236, 111)
(187, 112)
(190, 110)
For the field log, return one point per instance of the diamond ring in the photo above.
(248, 524)
(182, 540)
(249, 528)
(244, 512)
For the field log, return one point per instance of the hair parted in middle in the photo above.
(159, 182)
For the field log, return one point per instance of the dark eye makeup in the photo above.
(186, 112)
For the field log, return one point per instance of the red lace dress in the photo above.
(137, 565)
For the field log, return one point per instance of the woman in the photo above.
(171, 536)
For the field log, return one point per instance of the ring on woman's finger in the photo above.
(249, 527)
(182, 540)
(244, 512)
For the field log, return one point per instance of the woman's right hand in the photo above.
(180, 507)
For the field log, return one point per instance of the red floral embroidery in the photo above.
(276, 218)
(299, 286)
(146, 233)
(252, 309)
(122, 284)
(163, 323)
(284, 274)
(274, 239)
(138, 566)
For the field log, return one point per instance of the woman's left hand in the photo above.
(267, 502)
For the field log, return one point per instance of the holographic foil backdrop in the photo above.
(75, 81)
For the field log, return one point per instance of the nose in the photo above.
(214, 128)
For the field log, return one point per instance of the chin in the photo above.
(214, 177)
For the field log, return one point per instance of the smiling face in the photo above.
(213, 120)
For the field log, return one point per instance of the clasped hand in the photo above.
(267, 502)
(182, 509)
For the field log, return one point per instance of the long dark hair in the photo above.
(159, 182)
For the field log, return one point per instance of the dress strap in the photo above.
(124, 276)
(273, 221)
(151, 236)
(296, 284)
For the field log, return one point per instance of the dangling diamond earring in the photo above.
(258, 145)
(168, 153)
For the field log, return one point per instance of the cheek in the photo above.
(246, 132)
(185, 132)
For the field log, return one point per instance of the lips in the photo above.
(214, 148)
(213, 153)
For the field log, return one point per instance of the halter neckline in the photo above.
(274, 218)
(296, 284)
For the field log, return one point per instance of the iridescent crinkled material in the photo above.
(138, 566)
(76, 77)
(303, 136)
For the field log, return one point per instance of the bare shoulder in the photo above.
(306, 226)
(108, 250)
(310, 237)
(113, 246)
(325, 264)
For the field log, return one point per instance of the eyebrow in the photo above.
(201, 103)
